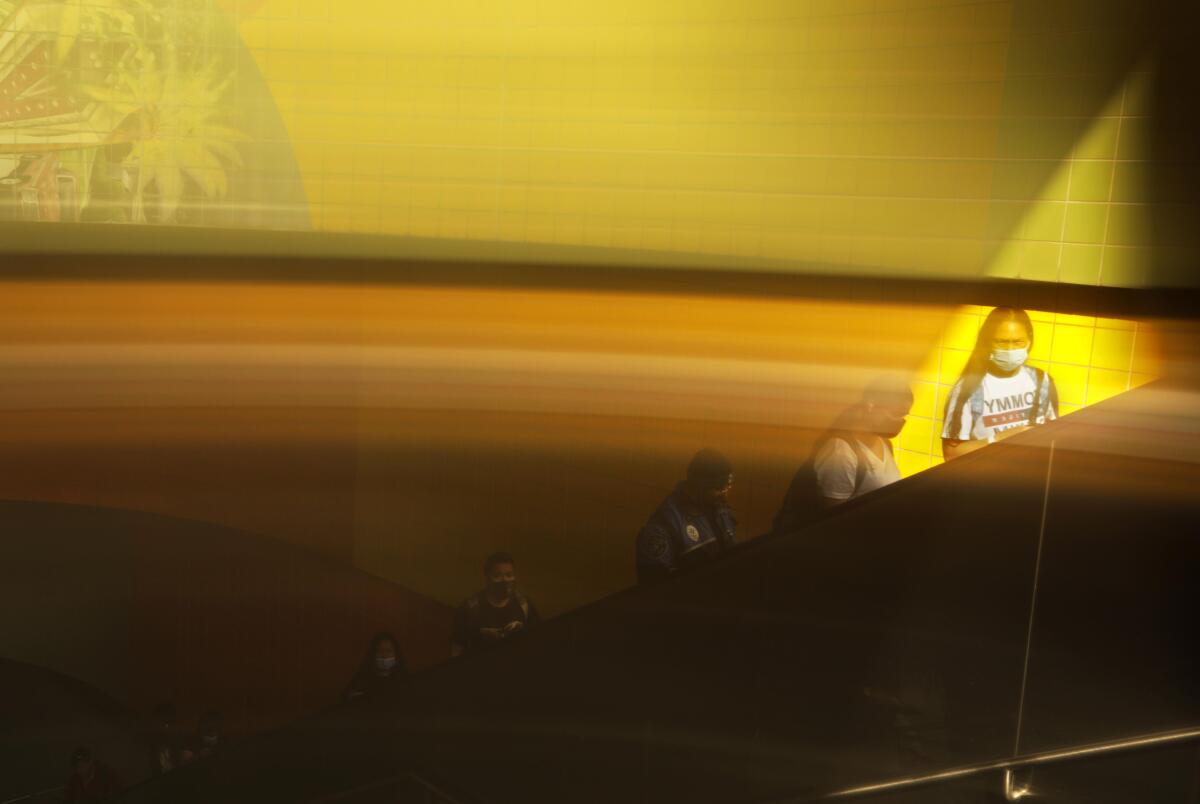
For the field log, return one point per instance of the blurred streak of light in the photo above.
(581, 352)
(584, 320)
(153, 348)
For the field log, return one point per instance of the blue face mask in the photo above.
(1009, 359)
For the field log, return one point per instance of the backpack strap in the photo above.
(1039, 379)
(976, 403)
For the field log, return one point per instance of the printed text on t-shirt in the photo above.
(1008, 409)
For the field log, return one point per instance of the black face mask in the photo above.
(500, 588)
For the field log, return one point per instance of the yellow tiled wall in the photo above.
(1087, 223)
(902, 137)
(852, 133)
(1090, 358)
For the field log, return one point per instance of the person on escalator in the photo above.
(383, 673)
(998, 394)
(497, 612)
(209, 737)
(693, 524)
(166, 746)
(854, 457)
(90, 780)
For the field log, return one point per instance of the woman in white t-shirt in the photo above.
(998, 395)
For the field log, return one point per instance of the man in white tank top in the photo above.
(857, 458)
(852, 458)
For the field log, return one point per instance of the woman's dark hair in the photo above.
(977, 363)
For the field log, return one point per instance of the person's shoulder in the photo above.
(671, 506)
(470, 604)
(1036, 372)
(836, 447)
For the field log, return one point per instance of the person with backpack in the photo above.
(998, 394)
(852, 458)
(694, 522)
(494, 614)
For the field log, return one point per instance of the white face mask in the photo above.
(385, 664)
(1009, 359)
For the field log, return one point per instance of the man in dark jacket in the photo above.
(494, 614)
(693, 523)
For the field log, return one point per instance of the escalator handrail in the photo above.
(1059, 755)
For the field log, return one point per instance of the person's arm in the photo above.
(460, 637)
(655, 556)
(956, 436)
(726, 527)
(353, 690)
(956, 447)
(836, 467)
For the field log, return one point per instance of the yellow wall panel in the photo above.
(1071, 344)
(1113, 349)
(904, 110)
